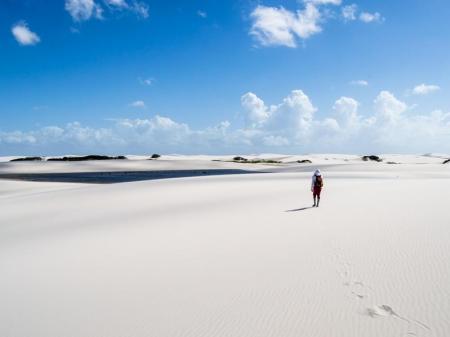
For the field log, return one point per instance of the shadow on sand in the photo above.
(299, 209)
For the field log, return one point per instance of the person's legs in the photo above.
(314, 196)
(318, 196)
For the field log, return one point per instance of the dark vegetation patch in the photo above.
(391, 162)
(84, 158)
(155, 156)
(254, 161)
(264, 161)
(372, 158)
(28, 159)
(304, 161)
(446, 161)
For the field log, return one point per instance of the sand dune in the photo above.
(238, 255)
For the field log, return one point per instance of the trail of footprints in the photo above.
(356, 289)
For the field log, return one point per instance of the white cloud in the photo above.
(424, 89)
(72, 134)
(291, 119)
(277, 26)
(257, 112)
(292, 125)
(349, 12)
(324, 2)
(361, 83)
(161, 130)
(295, 114)
(370, 17)
(346, 109)
(329, 125)
(17, 137)
(82, 10)
(146, 81)
(388, 108)
(24, 35)
(117, 3)
(274, 26)
(141, 9)
(202, 14)
(138, 104)
(275, 141)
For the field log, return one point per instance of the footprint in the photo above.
(357, 288)
(386, 311)
(381, 310)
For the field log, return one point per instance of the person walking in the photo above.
(316, 187)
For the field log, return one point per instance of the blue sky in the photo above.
(129, 76)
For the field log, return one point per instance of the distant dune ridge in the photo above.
(229, 254)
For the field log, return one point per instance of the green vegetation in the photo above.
(83, 158)
(27, 159)
(255, 161)
(372, 158)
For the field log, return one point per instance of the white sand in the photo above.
(225, 256)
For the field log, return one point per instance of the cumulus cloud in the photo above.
(370, 17)
(291, 119)
(346, 109)
(424, 89)
(277, 26)
(388, 108)
(160, 130)
(274, 26)
(257, 112)
(291, 125)
(295, 114)
(296, 111)
(24, 35)
(82, 10)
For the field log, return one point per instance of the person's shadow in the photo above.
(299, 209)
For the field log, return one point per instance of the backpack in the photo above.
(318, 181)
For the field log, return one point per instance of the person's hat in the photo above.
(317, 173)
